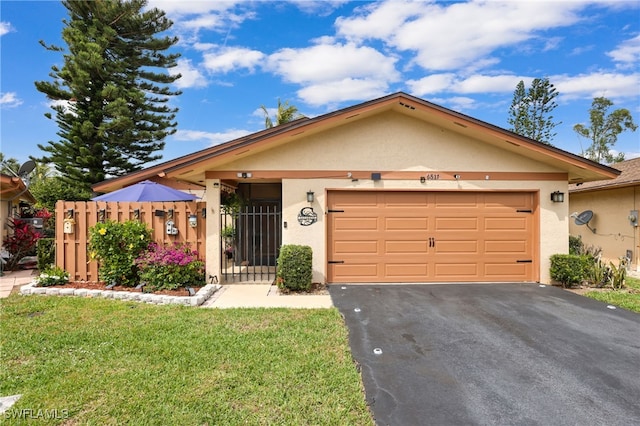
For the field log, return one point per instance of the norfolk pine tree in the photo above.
(530, 111)
(110, 96)
(604, 130)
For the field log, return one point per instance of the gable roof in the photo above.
(192, 167)
(629, 176)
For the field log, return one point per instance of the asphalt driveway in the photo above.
(492, 354)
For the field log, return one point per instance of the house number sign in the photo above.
(307, 216)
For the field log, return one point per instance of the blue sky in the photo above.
(322, 56)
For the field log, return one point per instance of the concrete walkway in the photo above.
(10, 279)
(263, 296)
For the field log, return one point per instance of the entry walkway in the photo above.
(263, 296)
(10, 279)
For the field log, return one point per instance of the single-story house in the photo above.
(395, 190)
(614, 206)
(13, 193)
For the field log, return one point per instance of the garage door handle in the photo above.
(432, 242)
(336, 261)
(524, 261)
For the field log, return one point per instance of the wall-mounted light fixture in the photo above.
(101, 215)
(456, 177)
(557, 197)
(244, 175)
(423, 179)
(310, 196)
(204, 212)
(193, 220)
(136, 214)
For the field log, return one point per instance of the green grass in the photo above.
(109, 362)
(627, 298)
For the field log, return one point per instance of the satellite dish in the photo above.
(584, 218)
(26, 168)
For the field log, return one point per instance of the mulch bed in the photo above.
(102, 286)
(316, 289)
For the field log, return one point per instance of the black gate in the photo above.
(250, 241)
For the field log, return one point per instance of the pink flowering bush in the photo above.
(170, 267)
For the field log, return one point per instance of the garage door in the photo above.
(404, 237)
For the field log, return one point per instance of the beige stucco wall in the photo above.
(391, 141)
(395, 142)
(614, 233)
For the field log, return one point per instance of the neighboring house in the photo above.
(396, 189)
(613, 203)
(13, 192)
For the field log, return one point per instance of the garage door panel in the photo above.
(399, 271)
(455, 270)
(507, 271)
(355, 247)
(365, 271)
(356, 223)
(406, 223)
(406, 247)
(506, 247)
(456, 200)
(456, 247)
(404, 236)
(456, 223)
(502, 223)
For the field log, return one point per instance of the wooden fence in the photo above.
(71, 248)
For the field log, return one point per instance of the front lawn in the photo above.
(628, 298)
(105, 362)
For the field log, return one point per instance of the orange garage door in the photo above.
(404, 237)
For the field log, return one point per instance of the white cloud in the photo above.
(450, 35)
(9, 100)
(211, 138)
(5, 27)
(231, 58)
(191, 77)
(477, 83)
(628, 53)
(607, 84)
(332, 63)
(347, 89)
(433, 83)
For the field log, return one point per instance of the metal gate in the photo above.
(250, 241)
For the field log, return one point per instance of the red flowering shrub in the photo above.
(170, 267)
(20, 242)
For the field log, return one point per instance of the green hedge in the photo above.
(46, 252)
(295, 270)
(570, 269)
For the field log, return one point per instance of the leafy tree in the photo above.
(110, 96)
(604, 130)
(530, 111)
(284, 114)
(49, 190)
(9, 166)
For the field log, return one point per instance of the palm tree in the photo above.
(284, 114)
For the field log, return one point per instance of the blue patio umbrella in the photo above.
(146, 191)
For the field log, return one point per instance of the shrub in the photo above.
(569, 269)
(169, 268)
(116, 245)
(46, 252)
(575, 245)
(598, 274)
(52, 275)
(618, 274)
(20, 242)
(294, 270)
